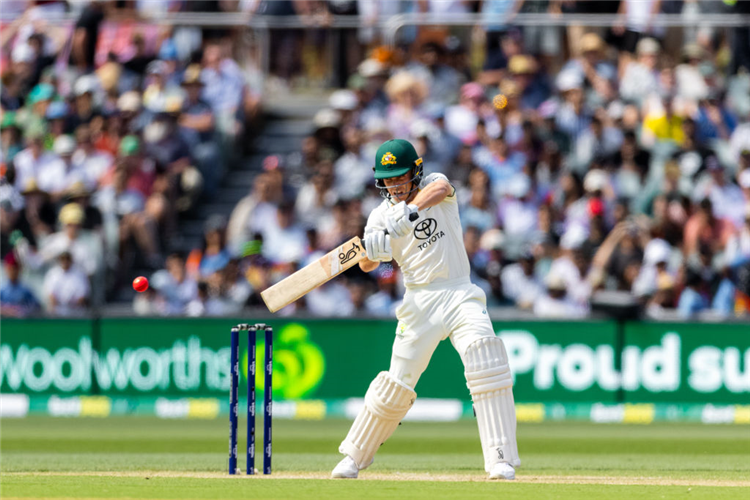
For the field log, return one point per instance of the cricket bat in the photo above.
(313, 275)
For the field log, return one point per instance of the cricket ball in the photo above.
(140, 284)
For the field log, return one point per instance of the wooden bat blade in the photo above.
(314, 274)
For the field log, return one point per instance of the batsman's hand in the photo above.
(398, 219)
(378, 246)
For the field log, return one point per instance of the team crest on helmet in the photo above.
(388, 159)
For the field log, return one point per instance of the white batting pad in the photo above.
(386, 402)
(491, 385)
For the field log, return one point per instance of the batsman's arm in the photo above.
(432, 194)
(368, 265)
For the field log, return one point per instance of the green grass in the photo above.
(137, 447)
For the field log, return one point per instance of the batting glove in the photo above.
(378, 246)
(397, 220)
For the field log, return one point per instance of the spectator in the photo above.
(555, 303)
(32, 161)
(406, 94)
(61, 174)
(196, 124)
(285, 240)
(66, 287)
(93, 162)
(442, 81)
(520, 284)
(16, 300)
(641, 78)
(214, 256)
(174, 287)
(83, 246)
(598, 75)
(703, 227)
(691, 300)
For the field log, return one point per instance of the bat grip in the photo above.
(412, 217)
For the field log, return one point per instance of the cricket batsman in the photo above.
(440, 302)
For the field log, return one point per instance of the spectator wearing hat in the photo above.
(369, 84)
(57, 116)
(85, 106)
(532, 87)
(327, 135)
(31, 162)
(158, 91)
(196, 125)
(573, 116)
(346, 103)
(556, 303)
(598, 74)
(689, 79)
(59, 175)
(66, 287)
(84, 247)
(16, 300)
(517, 213)
(641, 77)
(406, 93)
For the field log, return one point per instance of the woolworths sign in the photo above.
(564, 362)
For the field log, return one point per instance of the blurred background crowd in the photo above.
(587, 160)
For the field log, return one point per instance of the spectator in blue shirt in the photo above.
(15, 298)
(691, 300)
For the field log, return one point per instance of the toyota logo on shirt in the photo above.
(425, 228)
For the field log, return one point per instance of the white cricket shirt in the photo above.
(434, 251)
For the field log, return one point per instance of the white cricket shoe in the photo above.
(503, 470)
(346, 469)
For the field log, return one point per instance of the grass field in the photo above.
(141, 457)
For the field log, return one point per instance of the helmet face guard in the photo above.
(416, 178)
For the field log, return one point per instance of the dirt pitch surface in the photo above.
(411, 476)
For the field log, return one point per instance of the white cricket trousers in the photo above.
(432, 313)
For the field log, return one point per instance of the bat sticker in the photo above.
(344, 258)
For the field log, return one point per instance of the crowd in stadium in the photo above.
(584, 159)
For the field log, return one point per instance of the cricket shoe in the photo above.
(503, 470)
(346, 469)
